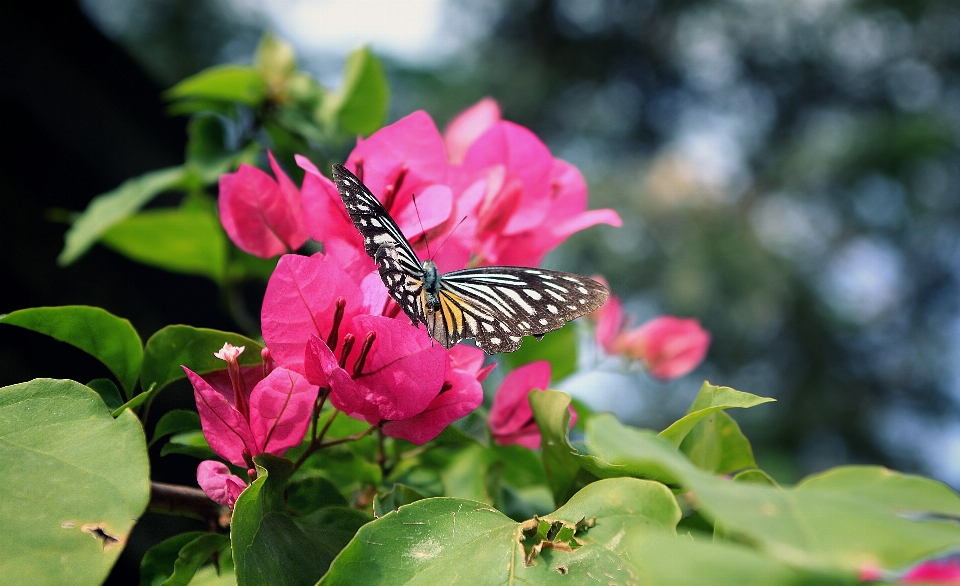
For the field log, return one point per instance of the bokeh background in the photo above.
(787, 172)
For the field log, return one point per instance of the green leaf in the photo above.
(191, 443)
(109, 208)
(559, 348)
(310, 491)
(175, 561)
(680, 561)
(207, 153)
(446, 540)
(394, 498)
(75, 480)
(192, 347)
(615, 450)
(844, 519)
(106, 337)
(271, 547)
(564, 471)
(179, 240)
(175, 421)
(360, 106)
(709, 400)
(717, 445)
(134, 403)
(228, 83)
(107, 391)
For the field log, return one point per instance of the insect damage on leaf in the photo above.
(98, 532)
(537, 534)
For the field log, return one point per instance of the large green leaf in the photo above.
(360, 105)
(74, 482)
(455, 541)
(106, 337)
(228, 83)
(679, 561)
(846, 518)
(178, 240)
(109, 208)
(192, 347)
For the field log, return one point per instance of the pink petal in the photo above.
(327, 221)
(412, 144)
(218, 483)
(511, 407)
(323, 368)
(261, 216)
(610, 322)
(671, 347)
(469, 359)
(300, 302)
(467, 126)
(525, 158)
(463, 396)
(227, 432)
(402, 373)
(940, 572)
(280, 409)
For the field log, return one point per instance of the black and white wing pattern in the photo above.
(495, 305)
(399, 266)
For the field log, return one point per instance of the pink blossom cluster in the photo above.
(488, 189)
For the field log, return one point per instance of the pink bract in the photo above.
(218, 483)
(511, 417)
(279, 408)
(261, 215)
(670, 346)
(467, 126)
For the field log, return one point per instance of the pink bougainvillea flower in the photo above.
(532, 202)
(467, 126)
(511, 417)
(251, 411)
(218, 483)
(668, 346)
(382, 370)
(934, 572)
(261, 215)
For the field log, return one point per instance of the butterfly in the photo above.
(497, 306)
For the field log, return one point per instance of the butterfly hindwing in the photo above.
(497, 306)
(500, 305)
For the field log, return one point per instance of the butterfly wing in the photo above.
(500, 305)
(399, 267)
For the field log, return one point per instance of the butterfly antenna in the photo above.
(451, 233)
(424, 232)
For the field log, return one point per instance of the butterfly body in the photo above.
(495, 305)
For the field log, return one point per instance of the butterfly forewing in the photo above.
(495, 305)
(397, 263)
